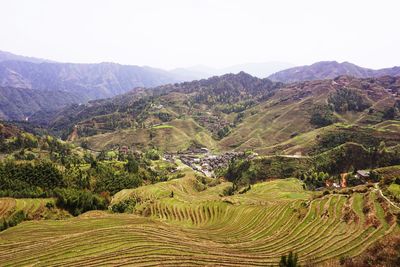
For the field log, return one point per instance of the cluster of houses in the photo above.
(363, 176)
(203, 161)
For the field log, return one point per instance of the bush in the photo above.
(152, 154)
(126, 205)
(228, 191)
(29, 180)
(13, 220)
(346, 99)
(79, 201)
(132, 166)
(109, 180)
(322, 116)
(289, 261)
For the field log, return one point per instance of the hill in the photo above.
(152, 209)
(20, 103)
(199, 227)
(86, 80)
(36, 82)
(211, 104)
(293, 113)
(329, 70)
(6, 56)
(237, 112)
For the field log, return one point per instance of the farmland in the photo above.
(200, 226)
(40, 208)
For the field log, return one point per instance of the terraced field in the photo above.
(198, 226)
(33, 208)
(14, 211)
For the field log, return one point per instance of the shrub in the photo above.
(108, 180)
(289, 261)
(79, 201)
(228, 191)
(13, 220)
(152, 154)
(126, 205)
(346, 99)
(132, 166)
(322, 115)
(29, 180)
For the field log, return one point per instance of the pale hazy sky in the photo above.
(179, 33)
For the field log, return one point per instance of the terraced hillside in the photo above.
(196, 225)
(32, 208)
(231, 112)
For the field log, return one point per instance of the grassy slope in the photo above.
(176, 135)
(199, 228)
(304, 142)
(267, 127)
(34, 208)
(272, 123)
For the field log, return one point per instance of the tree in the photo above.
(322, 115)
(79, 201)
(346, 99)
(389, 113)
(132, 166)
(289, 261)
(152, 154)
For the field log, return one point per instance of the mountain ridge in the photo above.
(329, 70)
(7, 56)
(232, 112)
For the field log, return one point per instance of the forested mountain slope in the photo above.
(231, 112)
(20, 103)
(329, 70)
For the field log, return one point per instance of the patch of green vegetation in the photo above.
(346, 99)
(244, 172)
(322, 116)
(394, 190)
(163, 126)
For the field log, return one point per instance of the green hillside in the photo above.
(228, 171)
(176, 135)
(200, 227)
(233, 112)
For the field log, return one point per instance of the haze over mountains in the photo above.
(6, 56)
(80, 82)
(329, 70)
(29, 85)
(259, 69)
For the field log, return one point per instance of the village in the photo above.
(203, 160)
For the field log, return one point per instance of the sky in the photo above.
(219, 33)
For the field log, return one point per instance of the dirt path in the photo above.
(382, 195)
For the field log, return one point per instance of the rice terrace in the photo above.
(200, 133)
(201, 228)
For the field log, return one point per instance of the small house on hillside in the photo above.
(363, 174)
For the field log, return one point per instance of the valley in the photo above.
(232, 170)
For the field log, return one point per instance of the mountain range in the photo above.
(29, 85)
(257, 69)
(234, 112)
(329, 70)
(59, 84)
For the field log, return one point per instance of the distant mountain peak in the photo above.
(6, 56)
(329, 70)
